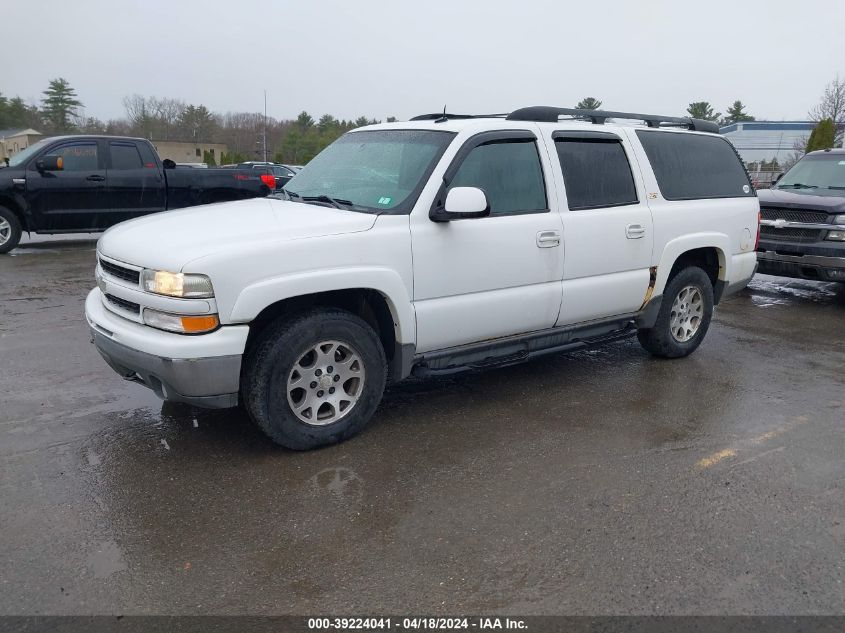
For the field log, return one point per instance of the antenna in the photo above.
(444, 117)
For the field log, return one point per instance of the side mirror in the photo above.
(462, 203)
(168, 164)
(50, 163)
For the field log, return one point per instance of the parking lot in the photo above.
(598, 482)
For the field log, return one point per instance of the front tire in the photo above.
(315, 379)
(10, 230)
(684, 317)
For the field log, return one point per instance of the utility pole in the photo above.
(264, 139)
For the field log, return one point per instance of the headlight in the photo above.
(838, 236)
(194, 324)
(188, 285)
(839, 219)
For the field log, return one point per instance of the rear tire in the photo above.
(314, 379)
(684, 317)
(10, 230)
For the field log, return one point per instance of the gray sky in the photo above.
(395, 57)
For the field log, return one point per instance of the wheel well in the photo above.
(705, 258)
(14, 208)
(370, 305)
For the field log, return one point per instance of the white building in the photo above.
(764, 140)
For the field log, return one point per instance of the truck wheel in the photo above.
(315, 379)
(10, 230)
(684, 315)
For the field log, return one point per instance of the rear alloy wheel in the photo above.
(10, 230)
(684, 316)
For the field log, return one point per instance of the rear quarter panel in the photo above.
(727, 224)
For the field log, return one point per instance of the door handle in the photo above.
(96, 178)
(634, 231)
(548, 239)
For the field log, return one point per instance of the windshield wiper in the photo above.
(797, 185)
(337, 203)
(835, 187)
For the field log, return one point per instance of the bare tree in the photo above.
(832, 106)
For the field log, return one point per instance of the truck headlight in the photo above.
(183, 324)
(839, 219)
(837, 236)
(187, 285)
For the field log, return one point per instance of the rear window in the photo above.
(596, 172)
(694, 166)
(125, 157)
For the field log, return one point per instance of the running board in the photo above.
(518, 349)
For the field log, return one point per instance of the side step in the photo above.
(513, 350)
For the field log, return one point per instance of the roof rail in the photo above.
(550, 115)
(442, 117)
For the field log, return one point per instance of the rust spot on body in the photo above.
(652, 280)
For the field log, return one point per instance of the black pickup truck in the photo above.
(74, 184)
(802, 227)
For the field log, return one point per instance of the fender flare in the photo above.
(258, 296)
(677, 247)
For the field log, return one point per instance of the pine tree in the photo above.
(59, 105)
(737, 113)
(589, 103)
(703, 110)
(822, 136)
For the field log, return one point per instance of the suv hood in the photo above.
(800, 199)
(169, 240)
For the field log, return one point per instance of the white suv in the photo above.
(428, 247)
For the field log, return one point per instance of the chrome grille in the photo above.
(129, 306)
(795, 215)
(121, 272)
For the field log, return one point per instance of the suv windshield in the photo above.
(822, 174)
(379, 170)
(25, 154)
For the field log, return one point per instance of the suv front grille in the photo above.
(120, 272)
(790, 234)
(795, 215)
(129, 306)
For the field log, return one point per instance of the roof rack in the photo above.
(551, 115)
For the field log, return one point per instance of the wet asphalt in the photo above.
(599, 482)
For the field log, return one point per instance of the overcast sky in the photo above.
(397, 57)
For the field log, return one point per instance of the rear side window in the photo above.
(596, 172)
(125, 156)
(693, 166)
(509, 173)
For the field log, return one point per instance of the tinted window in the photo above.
(78, 156)
(125, 157)
(596, 172)
(691, 166)
(509, 172)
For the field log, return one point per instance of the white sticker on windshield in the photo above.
(384, 200)
(746, 189)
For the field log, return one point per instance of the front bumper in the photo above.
(815, 267)
(206, 371)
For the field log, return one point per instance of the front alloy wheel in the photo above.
(326, 383)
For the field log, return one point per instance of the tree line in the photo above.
(297, 141)
(161, 119)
